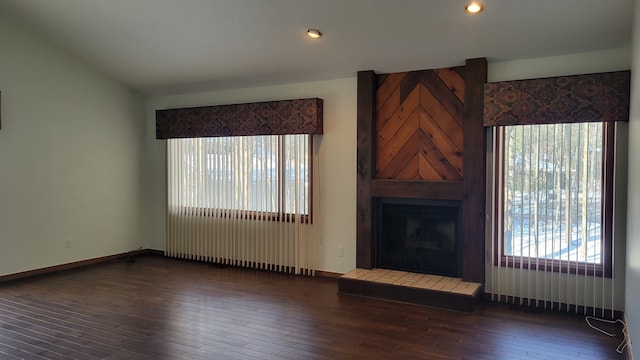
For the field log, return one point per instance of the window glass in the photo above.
(253, 173)
(551, 192)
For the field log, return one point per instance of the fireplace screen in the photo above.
(419, 236)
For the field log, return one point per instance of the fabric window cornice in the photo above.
(285, 117)
(600, 97)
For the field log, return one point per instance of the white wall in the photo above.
(337, 160)
(632, 300)
(70, 157)
(608, 293)
(572, 64)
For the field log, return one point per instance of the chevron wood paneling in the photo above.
(419, 125)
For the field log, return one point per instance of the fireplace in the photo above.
(420, 170)
(420, 236)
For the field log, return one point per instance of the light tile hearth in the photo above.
(422, 281)
(424, 289)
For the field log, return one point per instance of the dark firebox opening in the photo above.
(419, 236)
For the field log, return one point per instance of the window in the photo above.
(263, 175)
(554, 194)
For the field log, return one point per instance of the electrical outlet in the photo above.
(340, 251)
(67, 243)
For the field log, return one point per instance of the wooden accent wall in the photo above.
(420, 135)
(419, 125)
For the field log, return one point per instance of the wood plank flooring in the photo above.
(160, 308)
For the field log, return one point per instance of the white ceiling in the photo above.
(159, 46)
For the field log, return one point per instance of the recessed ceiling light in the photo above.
(314, 34)
(473, 8)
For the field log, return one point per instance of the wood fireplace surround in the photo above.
(420, 136)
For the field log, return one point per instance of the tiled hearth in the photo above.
(423, 289)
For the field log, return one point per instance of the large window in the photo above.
(264, 175)
(554, 191)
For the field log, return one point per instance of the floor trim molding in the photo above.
(76, 264)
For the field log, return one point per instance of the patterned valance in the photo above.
(301, 116)
(563, 99)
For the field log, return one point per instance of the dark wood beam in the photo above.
(366, 103)
(474, 203)
(434, 190)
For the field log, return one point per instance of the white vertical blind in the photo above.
(243, 201)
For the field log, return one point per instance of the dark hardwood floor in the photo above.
(160, 308)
